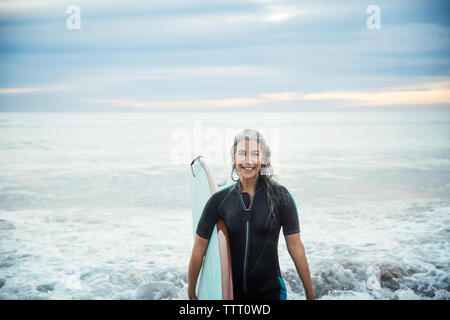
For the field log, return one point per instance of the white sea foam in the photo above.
(133, 253)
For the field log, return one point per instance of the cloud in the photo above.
(225, 53)
(418, 94)
(283, 96)
(179, 104)
(406, 38)
(31, 90)
(119, 75)
(16, 5)
(269, 13)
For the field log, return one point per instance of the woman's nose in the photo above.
(251, 159)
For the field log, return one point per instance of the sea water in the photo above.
(97, 205)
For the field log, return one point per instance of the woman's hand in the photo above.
(191, 293)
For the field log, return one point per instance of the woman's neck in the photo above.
(248, 185)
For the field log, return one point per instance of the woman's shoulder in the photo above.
(281, 188)
(218, 196)
(284, 195)
(224, 191)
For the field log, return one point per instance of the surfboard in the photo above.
(215, 280)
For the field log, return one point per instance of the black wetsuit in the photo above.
(253, 238)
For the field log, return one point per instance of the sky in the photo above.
(232, 55)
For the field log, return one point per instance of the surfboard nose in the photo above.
(195, 168)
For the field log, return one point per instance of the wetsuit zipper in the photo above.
(244, 275)
(247, 236)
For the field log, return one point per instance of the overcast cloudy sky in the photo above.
(224, 55)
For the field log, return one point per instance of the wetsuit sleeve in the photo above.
(289, 215)
(209, 217)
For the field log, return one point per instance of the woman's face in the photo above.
(248, 158)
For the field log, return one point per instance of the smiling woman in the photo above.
(254, 209)
(250, 156)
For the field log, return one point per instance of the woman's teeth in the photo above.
(248, 168)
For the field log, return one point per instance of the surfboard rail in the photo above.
(225, 260)
(222, 236)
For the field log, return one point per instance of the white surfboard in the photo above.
(215, 280)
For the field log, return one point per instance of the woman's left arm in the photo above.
(297, 252)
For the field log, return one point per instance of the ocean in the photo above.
(97, 205)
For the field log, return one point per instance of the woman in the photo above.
(254, 209)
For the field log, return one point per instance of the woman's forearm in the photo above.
(195, 265)
(303, 271)
(298, 255)
(301, 264)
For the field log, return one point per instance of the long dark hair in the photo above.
(274, 193)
